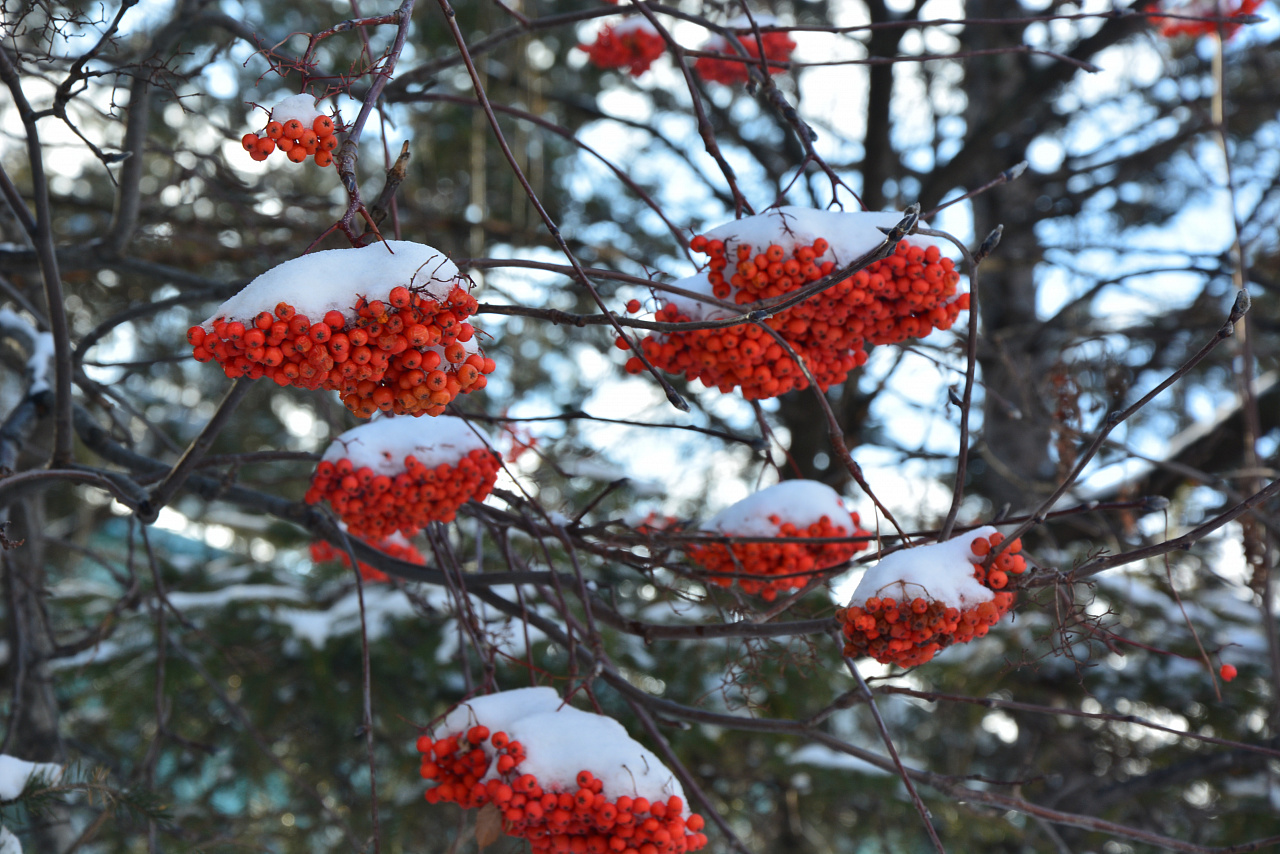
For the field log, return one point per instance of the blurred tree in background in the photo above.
(205, 680)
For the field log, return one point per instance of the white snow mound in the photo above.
(560, 741)
(332, 279)
(694, 309)
(15, 773)
(800, 502)
(941, 572)
(383, 443)
(300, 107)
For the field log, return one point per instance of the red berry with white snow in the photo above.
(791, 509)
(569, 781)
(918, 601)
(298, 130)
(398, 474)
(908, 294)
(383, 325)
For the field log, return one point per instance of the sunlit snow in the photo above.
(383, 443)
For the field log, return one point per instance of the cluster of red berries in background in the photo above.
(910, 633)
(630, 46)
(374, 506)
(777, 48)
(777, 567)
(405, 355)
(907, 295)
(296, 139)
(585, 821)
(1171, 27)
(322, 551)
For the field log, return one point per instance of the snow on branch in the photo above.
(40, 345)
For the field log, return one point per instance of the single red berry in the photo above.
(1228, 672)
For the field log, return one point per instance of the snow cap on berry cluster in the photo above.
(329, 280)
(560, 741)
(851, 234)
(940, 572)
(383, 443)
(800, 502)
(301, 107)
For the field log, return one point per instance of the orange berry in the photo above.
(275, 130)
(297, 154)
(249, 141)
(293, 129)
(323, 126)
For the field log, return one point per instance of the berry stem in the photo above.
(893, 751)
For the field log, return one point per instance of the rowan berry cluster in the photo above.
(1171, 27)
(908, 294)
(777, 567)
(777, 48)
(911, 632)
(322, 551)
(295, 139)
(406, 355)
(585, 821)
(374, 506)
(632, 45)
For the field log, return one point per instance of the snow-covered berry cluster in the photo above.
(907, 295)
(298, 130)
(791, 509)
(398, 474)
(396, 546)
(310, 322)
(632, 44)
(919, 601)
(515, 750)
(777, 48)
(1171, 27)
